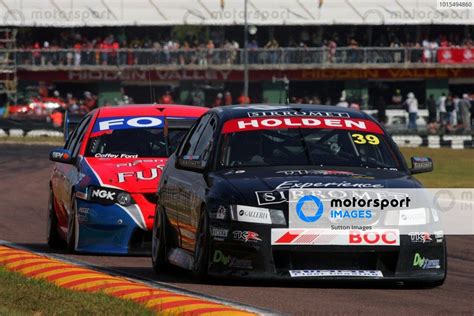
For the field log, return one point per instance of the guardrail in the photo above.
(394, 57)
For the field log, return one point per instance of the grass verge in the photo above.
(22, 296)
(453, 168)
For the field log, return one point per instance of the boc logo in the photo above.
(313, 208)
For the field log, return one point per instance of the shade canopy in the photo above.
(74, 13)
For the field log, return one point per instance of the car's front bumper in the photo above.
(231, 256)
(110, 229)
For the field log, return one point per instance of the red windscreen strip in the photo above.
(253, 124)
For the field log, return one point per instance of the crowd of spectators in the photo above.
(89, 47)
(449, 113)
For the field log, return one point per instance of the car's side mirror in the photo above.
(190, 162)
(61, 155)
(421, 165)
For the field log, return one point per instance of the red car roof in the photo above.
(153, 109)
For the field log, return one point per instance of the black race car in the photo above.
(223, 200)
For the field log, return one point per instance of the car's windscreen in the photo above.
(134, 143)
(300, 146)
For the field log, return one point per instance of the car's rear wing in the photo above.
(70, 123)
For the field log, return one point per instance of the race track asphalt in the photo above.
(24, 173)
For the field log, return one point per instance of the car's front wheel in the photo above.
(201, 252)
(72, 227)
(52, 233)
(158, 245)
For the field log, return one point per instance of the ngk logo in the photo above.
(374, 237)
(103, 194)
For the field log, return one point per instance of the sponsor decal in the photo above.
(412, 217)
(221, 212)
(278, 195)
(420, 237)
(102, 194)
(219, 233)
(295, 237)
(336, 273)
(301, 237)
(253, 214)
(117, 123)
(81, 195)
(317, 172)
(83, 214)
(108, 196)
(422, 163)
(375, 237)
(425, 263)
(298, 113)
(295, 184)
(142, 175)
(59, 155)
(107, 155)
(270, 197)
(246, 236)
(160, 163)
(259, 123)
(231, 262)
(439, 235)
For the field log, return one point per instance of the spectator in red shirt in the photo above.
(36, 54)
(243, 99)
(167, 98)
(105, 50)
(115, 47)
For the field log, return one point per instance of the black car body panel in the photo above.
(243, 249)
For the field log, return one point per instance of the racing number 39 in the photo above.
(364, 139)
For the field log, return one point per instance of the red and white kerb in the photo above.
(262, 123)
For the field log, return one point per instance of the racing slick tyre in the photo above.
(201, 252)
(72, 228)
(52, 234)
(158, 245)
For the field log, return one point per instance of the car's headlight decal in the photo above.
(136, 214)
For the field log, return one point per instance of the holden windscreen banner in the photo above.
(259, 123)
(375, 216)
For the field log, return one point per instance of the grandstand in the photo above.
(143, 48)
